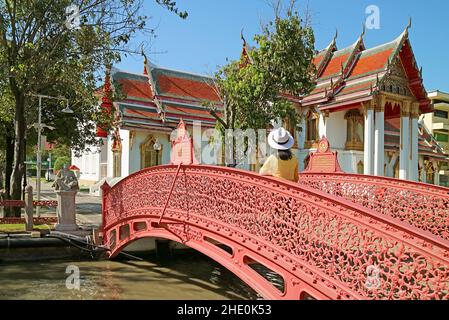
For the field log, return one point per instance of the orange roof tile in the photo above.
(136, 89)
(373, 62)
(182, 87)
(334, 66)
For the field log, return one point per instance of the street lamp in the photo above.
(157, 147)
(40, 127)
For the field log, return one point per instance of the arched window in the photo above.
(354, 130)
(360, 167)
(430, 172)
(116, 154)
(312, 134)
(150, 153)
(396, 169)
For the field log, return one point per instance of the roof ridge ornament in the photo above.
(243, 38)
(363, 30)
(409, 26)
(145, 62)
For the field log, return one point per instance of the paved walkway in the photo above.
(88, 208)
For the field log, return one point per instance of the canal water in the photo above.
(187, 275)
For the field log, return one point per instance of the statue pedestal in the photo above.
(66, 211)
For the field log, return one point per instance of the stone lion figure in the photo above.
(66, 180)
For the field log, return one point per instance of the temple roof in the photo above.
(159, 98)
(354, 74)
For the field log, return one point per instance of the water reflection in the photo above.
(187, 275)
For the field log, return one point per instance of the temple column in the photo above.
(379, 139)
(413, 164)
(368, 163)
(404, 147)
(322, 130)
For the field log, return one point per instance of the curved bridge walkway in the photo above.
(331, 236)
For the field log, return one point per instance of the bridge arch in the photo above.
(237, 260)
(317, 242)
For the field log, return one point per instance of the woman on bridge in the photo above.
(283, 164)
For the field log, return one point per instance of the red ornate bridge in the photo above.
(331, 236)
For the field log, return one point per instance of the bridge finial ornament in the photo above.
(182, 151)
(323, 160)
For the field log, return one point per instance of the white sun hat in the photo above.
(280, 139)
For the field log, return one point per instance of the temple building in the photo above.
(438, 124)
(370, 103)
(152, 106)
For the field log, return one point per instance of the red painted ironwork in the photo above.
(12, 203)
(36, 220)
(46, 203)
(423, 206)
(320, 244)
(323, 160)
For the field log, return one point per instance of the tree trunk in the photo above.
(9, 160)
(18, 168)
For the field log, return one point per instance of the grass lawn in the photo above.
(20, 227)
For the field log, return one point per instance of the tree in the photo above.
(44, 50)
(252, 90)
(60, 162)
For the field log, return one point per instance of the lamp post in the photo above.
(157, 147)
(39, 128)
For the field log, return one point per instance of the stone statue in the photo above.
(66, 180)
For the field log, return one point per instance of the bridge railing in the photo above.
(423, 206)
(330, 243)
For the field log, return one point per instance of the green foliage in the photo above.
(42, 52)
(171, 5)
(253, 89)
(60, 162)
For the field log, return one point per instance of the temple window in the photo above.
(312, 136)
(354, 130)
(117, 163)
(360, 167)
(150, 153)
(396, 169)
(430, 172)
(290, 127)
(116, 154)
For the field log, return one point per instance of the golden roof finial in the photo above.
(243, 38)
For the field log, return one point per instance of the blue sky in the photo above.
(211, 33)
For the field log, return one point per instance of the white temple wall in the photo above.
(336, 130)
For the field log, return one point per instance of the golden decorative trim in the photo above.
(149, 141)
(414, 110)
(132, 135)
(382, 100)
(311, 145)
(405, 109)
(357, 146)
